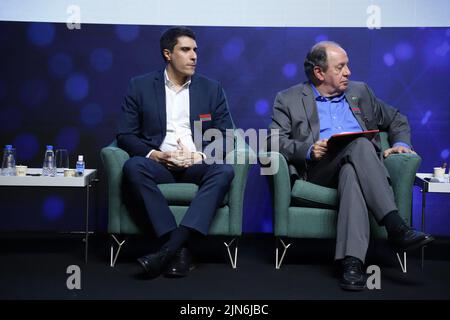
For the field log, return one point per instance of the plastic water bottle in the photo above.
(80, 166)
(9, 161)
(49, 166)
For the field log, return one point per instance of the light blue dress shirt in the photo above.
(335, 117)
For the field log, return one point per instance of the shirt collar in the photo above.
(319, 97)
(171, 85)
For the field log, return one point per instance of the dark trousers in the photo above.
(363, 185)
(142, 176)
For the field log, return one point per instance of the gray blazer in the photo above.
(295, 115)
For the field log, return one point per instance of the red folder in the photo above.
(344, 138)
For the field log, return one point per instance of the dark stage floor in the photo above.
(33, 266)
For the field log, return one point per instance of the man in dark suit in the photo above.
(157, 129)
(307, 115)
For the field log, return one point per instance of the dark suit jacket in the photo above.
(295, 115)
(142, 127)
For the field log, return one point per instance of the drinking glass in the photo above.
(62, 160)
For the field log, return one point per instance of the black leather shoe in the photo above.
(155, 263)
(353, 277)
(410, 239)
(180, 265)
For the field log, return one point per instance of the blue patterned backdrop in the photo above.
(65, 87)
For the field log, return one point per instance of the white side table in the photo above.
(423, 181)
(33, 179)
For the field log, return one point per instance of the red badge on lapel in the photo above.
(356, 110)
(354, 105)
(205, 117)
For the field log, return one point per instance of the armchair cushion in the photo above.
(307, 194)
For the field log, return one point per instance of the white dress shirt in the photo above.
(177, 115)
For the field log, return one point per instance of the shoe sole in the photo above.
(179, 275)
(419, 244)
(349, 287)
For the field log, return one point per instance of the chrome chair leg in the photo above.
(233, 261)
(402, 265)
(285, 247)
(119, 243)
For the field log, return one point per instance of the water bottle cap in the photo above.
(49, 147)
(8, 147)
(80, 158)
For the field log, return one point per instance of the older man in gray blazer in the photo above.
(307, 115)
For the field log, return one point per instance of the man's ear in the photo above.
(167, 54)
(318, 73)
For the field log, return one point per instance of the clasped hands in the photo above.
(178, 159)
(319, 150)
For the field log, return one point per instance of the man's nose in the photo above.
(347, 71)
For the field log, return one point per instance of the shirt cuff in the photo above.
(401, 144)
(308, 153)
(202, 154)
(150, 153)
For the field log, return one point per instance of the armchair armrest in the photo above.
(113, 159)
(241, 158)
(236, 193)
(280, 185)
(402, 168)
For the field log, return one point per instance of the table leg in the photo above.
(86, 237)
(423, 222)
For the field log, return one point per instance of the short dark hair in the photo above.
(317, 57)
(170, 37)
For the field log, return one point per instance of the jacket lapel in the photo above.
(160, 90)
(310, 106)
(193, 102)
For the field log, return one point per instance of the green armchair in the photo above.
(307, 210)
(228, 218)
